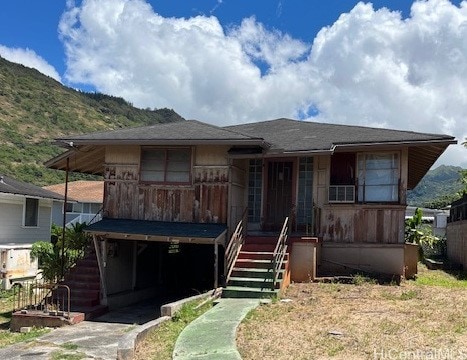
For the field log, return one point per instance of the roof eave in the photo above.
(32, 196)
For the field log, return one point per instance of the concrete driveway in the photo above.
(97, 339)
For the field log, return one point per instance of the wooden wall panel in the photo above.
(204, 201)
(211, 155)
(363, 224)
(210, 174)
(122, 154)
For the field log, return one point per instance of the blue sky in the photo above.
(34, 24)
(396, 64)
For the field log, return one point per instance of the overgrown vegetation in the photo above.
(7, 337)
(420, 233)
(62, 355)
(160, 343)
(369, 321)
(34, 109)
(49, 254)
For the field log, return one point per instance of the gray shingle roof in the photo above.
(189, 130)
(295, 135)
(280, 136)
(11, 186)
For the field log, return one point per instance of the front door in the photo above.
(279, 193)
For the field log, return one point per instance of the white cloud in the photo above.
(370, 67)
(273, 48)
(29, 58)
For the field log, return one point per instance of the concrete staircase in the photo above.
(252, 274)
(84, 282)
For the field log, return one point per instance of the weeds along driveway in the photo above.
(365, 321)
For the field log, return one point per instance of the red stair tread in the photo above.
(84, 283)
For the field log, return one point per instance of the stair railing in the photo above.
(279, 252)
(235, 245)
(88, 218)
(43, 297)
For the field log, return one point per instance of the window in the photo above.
(95, 208)
(166, 166)
(78, 207)
(31, 212)
(342, 187)
(86, 208)
(255, 179)
(378, 177)
(305, 193)
(69, 207)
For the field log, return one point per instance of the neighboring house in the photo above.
(25, 218)
(437, 218)
(456, 232)
(83, 205)
(172, 192)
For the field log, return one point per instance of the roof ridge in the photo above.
(223, 128)
(342, 125)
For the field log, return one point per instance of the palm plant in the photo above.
(49, 254)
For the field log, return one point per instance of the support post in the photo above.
(101, 265)
(216, 263)
(62, 260)
(135, 259)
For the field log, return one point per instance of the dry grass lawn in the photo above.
(416, 320)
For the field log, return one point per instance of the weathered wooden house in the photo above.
(174, 194)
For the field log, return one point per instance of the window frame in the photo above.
(25, 209)
(166, 162)
(364, 185)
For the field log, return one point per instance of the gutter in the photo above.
(403, 142)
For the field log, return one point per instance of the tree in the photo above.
(49, 254)
(416, 232)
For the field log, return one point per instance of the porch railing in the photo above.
(280, 251)
(48, 298)
(85, 218)
(235, 245)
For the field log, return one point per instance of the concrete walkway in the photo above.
(212, 336)
(97, 339)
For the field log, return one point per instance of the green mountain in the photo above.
(34, 109)
(437, 188)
